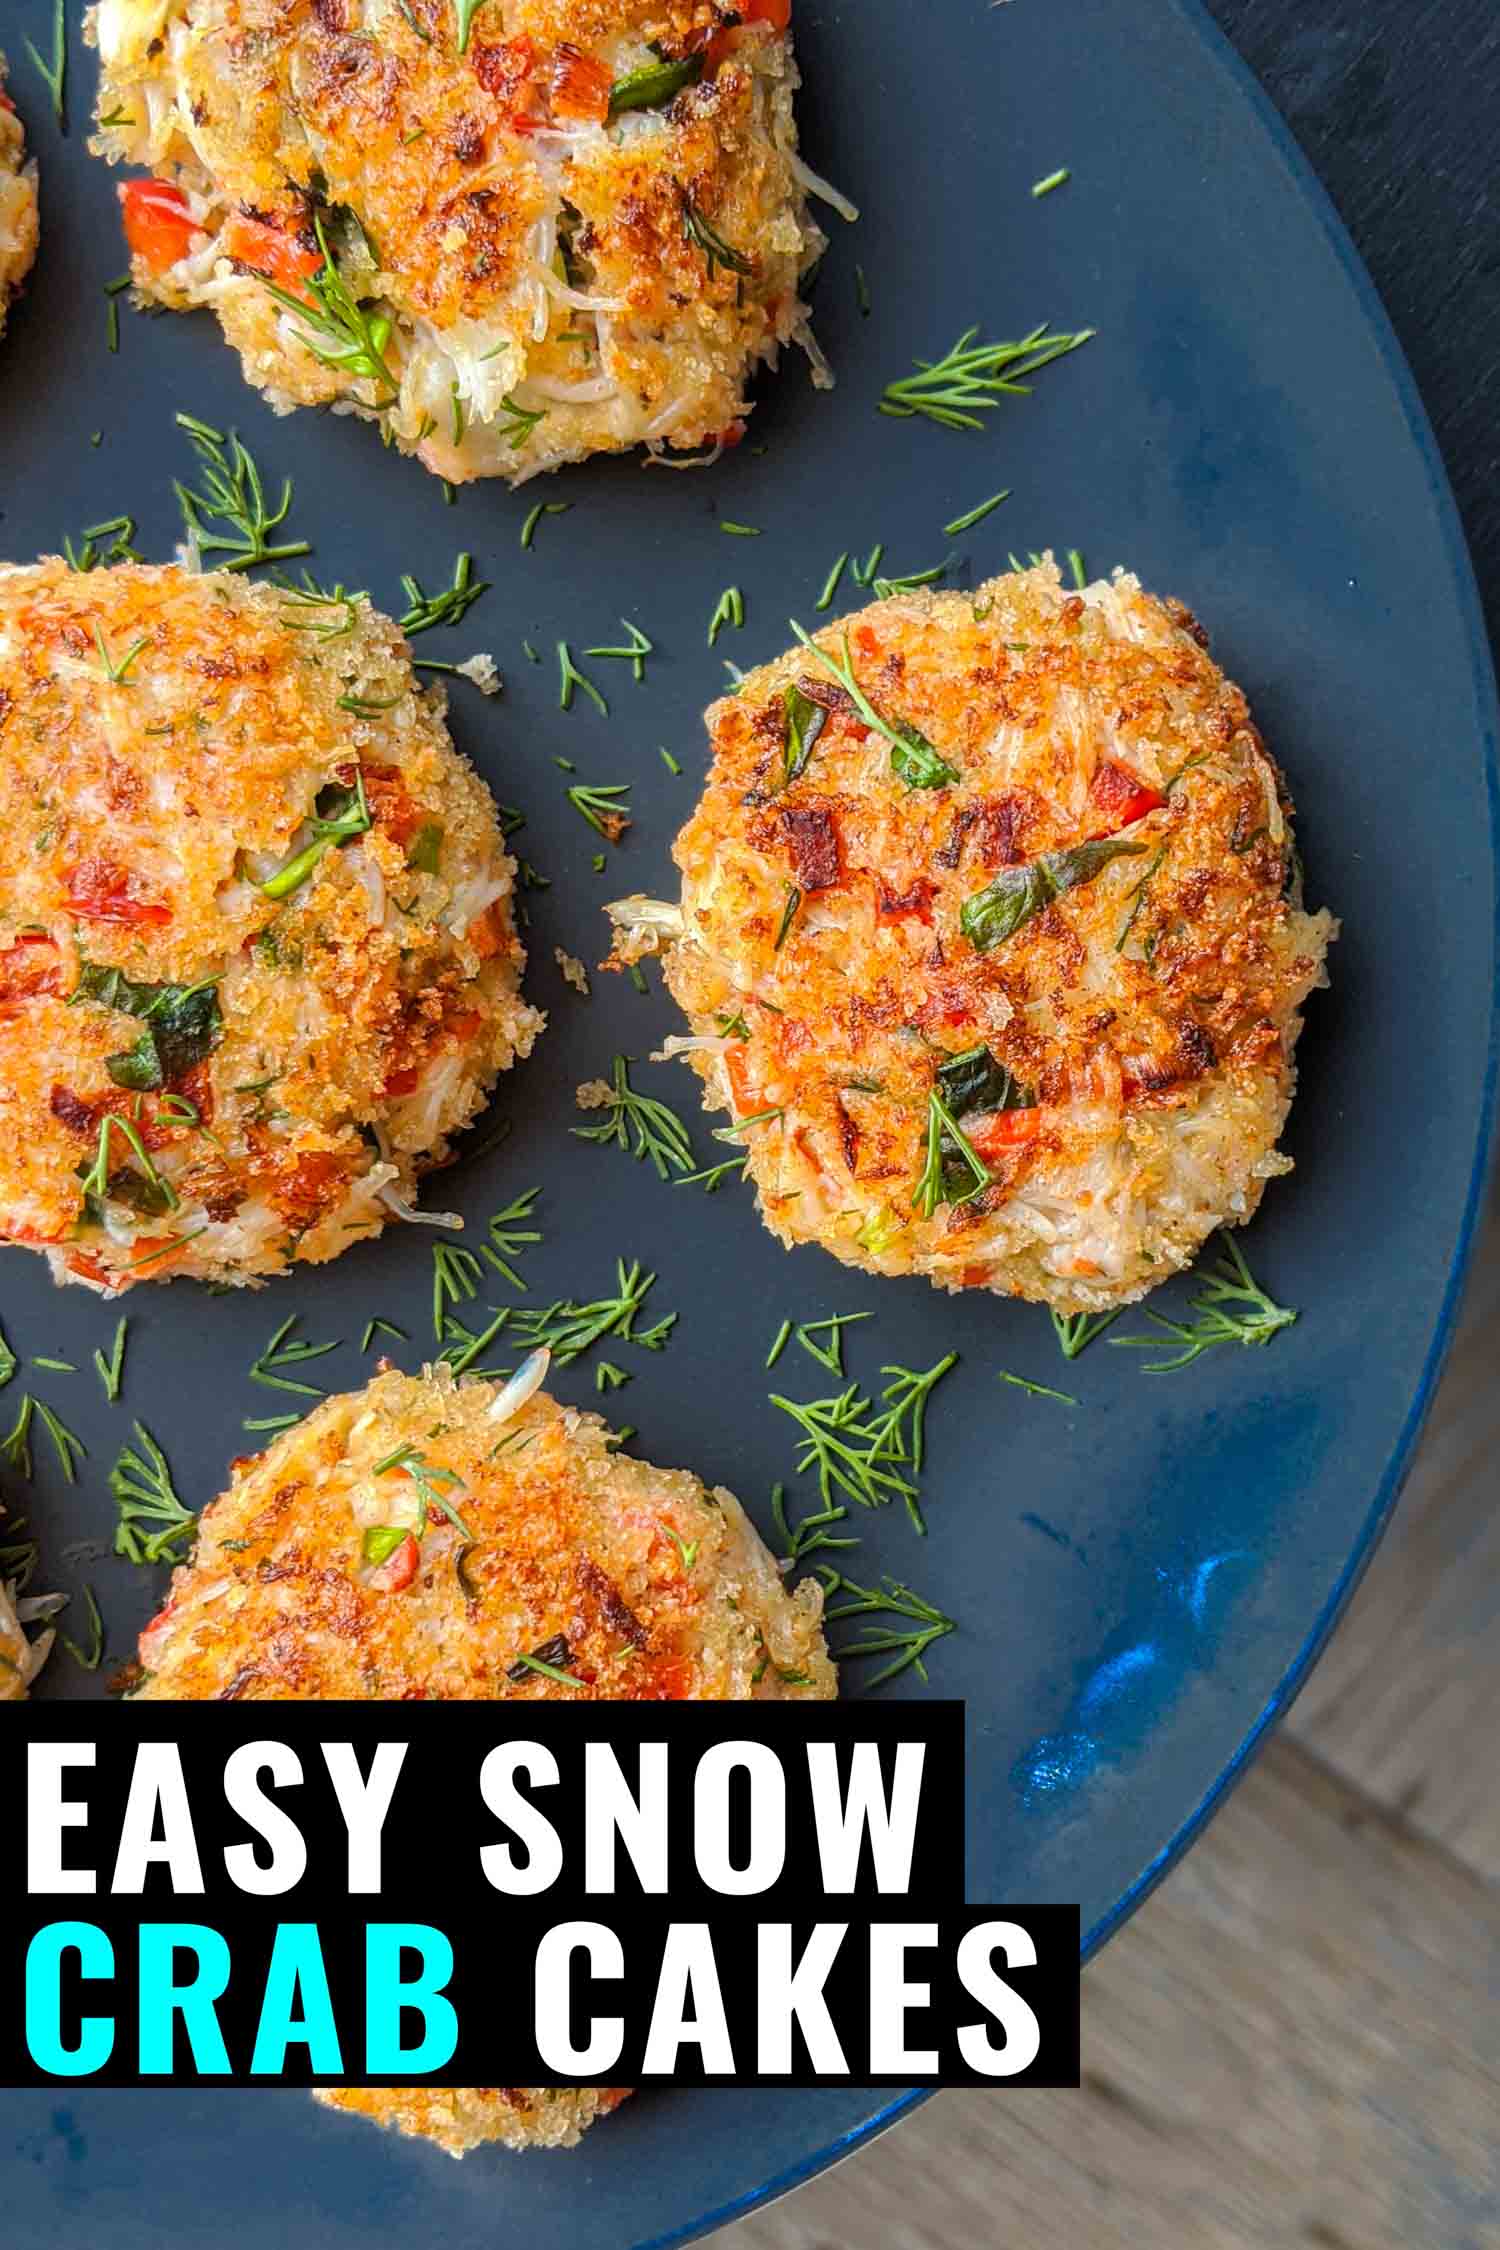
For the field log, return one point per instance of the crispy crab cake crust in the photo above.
(550, 288)
(1147, 1015)
(344, 1027)
(642, 1583)
(19, 224)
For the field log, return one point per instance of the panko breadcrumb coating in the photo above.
(1004, 946)
(257, 961)
(18, 204)
(579, 234)
(332, 1568)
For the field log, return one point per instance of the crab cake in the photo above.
(992, 934)
(426, 1537)
(18, 207)
(257, 960)
(572, 227)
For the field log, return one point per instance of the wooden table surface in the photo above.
(1295, 2041)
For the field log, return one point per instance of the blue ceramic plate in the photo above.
(1140, 1582)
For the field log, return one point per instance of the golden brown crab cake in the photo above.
(257, 961)
(18, 202)
(991, 913)
(577, 234)
(426, 1537)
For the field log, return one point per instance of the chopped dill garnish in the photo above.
(831, 1353)
(950, 1156)
(1231, 1308)
(337, 328)
(54, 75)
(1035, 1390)
(657, 1130)
(117, 669)
(714, 1176)
(234, 495)
(672, 765)
(8, 1360)
(143, 1492)
(862, 292)
(68, 1448)
(572, 678)
(914, 759)
(1054, 180)
(379, 1327)
(783, 1336)
(456, 1275)
(508, 1238)
(890, 1599)
(1076, 1331)
(738, 530)
(91, 1658)
(568, 1329)
(788, 915)
(542, 508)
(120, 533)
(805, 1538)
(432, 1483)
(885, 587)
(608, 1377)
(831, 583)
(862, 573)
(449, 606)
(687, 1549)
(972, 378)
(601, 808)
(468, 1344)
(634, 654)
(54, 1366)
(548, 1671)
(15, 1446)
(974, 516)
(861, 1452)
(285, 1350)
(1075, 565)
(730, 611)
(716, 250)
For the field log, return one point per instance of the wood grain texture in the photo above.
(1292, 2044)
(1404, 1703)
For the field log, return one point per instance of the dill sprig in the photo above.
(568, 1329)
(811, 1335)
(847, 1449)
(571, 678)
(889, 1599)
(456, 1275)
(283, 1351)
(68, 1448)
(602, 808)
(948, 1146)
(234, 494)
(111, 1371)
(712, 1178)
(336, 326)
(432, 1482)
(1076, 1331)
(117, 668)
(831, 583)
(542, 508)
(15, 1446)
(634, 654)
(730, 611)
(1231, 1308)
(914, 759)
(812, 1533)
(8, 1360)
(974, 516)
(696, 229)
(657, 1130)
(376, 1327)
(141, 1486)
(1034, 1390)
(509, 1237)
(972, 378)
(1053, 181)
(19, 1555)
(449, 606)
(119, 532)
(54, 75)
(91, 1658)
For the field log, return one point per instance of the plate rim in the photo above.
(1299, 168)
